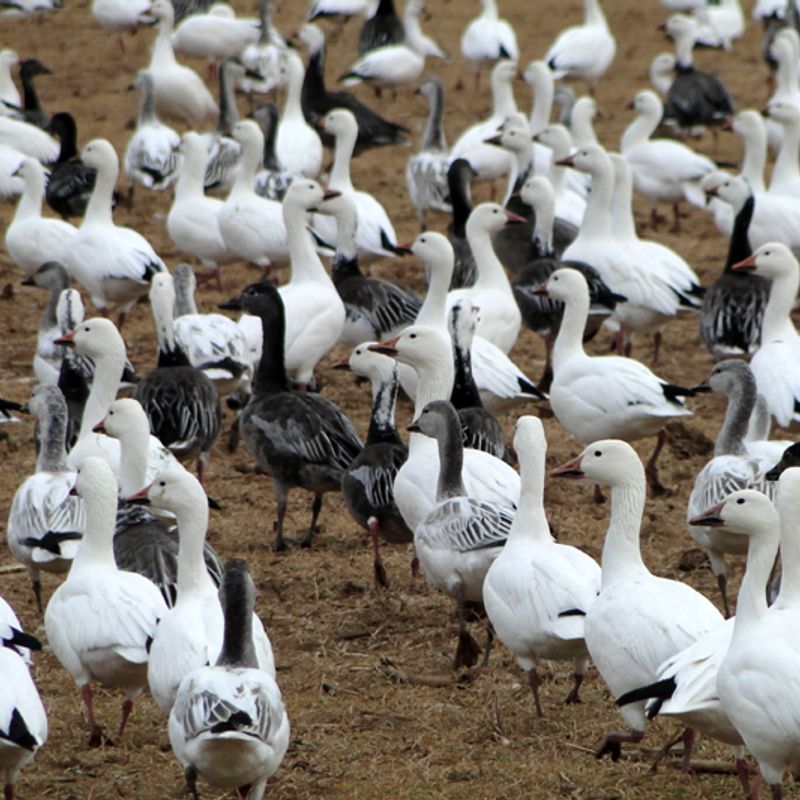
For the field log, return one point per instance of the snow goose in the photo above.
(101, 620)
(375, 235)
(317, 101)
(539, 313)
(113, 264)
(786, 170)
(382, 27)
(695, 98)
(193, 219)
(13, 637)
(31, 110)
(733, 306)
(594, 396)
(396, 64)
(215, 35)
(190, 634)
(429, 352)
(785, 49)
(460, 537)
(756, 679)
(297, 144)
(299, 438)
(480, 430)
(252, 227)
(584, 51)
(662, 73)
(664, 171)
(537, 592)
(426, 170)
(375, 308)
(263, 58)
(47, 361)
(733, 467)
(151, 158)
(582, 119)
(28, 139)
(180, 400)
(515, 138)
(499, 381)
(45, 523)
(228, 726)
(638, 620)
(367, 484)
(212, 342)
(488, 38)
(23, 721)
(31, 239)
(271, 181)
(487, 161)
(570, 205)
(776, 364)
(718, 25)
(10, 99)
(179, 91)
(121, 16)
(71, 182)
(500, 315)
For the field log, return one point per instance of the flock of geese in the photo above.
(146, 603)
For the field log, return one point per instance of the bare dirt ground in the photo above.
(358, 730)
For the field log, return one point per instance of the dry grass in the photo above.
(356, 732)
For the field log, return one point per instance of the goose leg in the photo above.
(612, 744)
(282, 496)
(414, 566)
(777, 791)
(657, 339)
(127, 708)
(489, 642)
(36, 583)
(688, 737)
(534, 681)
(316, 507)
(577, 681)
(191, 782)
(468, 649)
(651, 471)
(380, 571)
(676, 218)
(96, 732)
(743, 771)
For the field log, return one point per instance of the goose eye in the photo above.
(740, 501)
(162, 483)
(598, 453)
(412, 335)
(86, 329)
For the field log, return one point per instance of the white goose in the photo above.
(113, 264)
(193, 219)
(189, 634)
(785, 50)
(228, 725)
(570, 204)
(584, 112)
(9, 94)
(375, 235)
(100, 621)
(121, 16)
(179, 91)
(428, 350)
(252, 227)
(584, 51)
(10, 161)
(664, 171)
(45, 523)
(31, 239)
(604, 396)
(297, 145)
(500, 318)
(776, 364)
(719, 24)
(786, 170)
(488, 38)
(638, 619)
(151, 159)
(215, 35)
(23, 721)
(535, 580)
(13, 636)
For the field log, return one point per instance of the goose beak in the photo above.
(711, 194)
(701, 388)
(712, 518)
(140, 498)
(343, 363)
(541, 289)
(234, 304)
(404, 249)
(67, 340)
(414, 427)
(28, 281)
(514, 219)
(775, 473)
(100, 427)
(568, 161)
(253, 75)
(572, 469)
(329, 194)
(748, 265)
(387, 347)
(496, 140)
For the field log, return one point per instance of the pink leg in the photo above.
(127, 707)
(201, 471)
(743, 771)
(534, 681)
(415, 567)
(676, 218)
(688, 746)
(96, 732)
(8, 792)
(380, 571)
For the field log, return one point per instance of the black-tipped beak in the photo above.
(28, 282)
(712, 518)
(701, 388)
(571, 469)
(234, 304)
(414, 427)
(253, 75)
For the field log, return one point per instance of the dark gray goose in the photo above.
(31, 111)
(368, 483)
(733, 306)
(460, 537)
(375, 308)
(480, 429)
(317, 101)
(459, 177)
(180, 401)
(298, 438)
(382, 28)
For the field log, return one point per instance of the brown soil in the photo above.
(343, 647)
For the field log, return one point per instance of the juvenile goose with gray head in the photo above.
(368, 483)
(298, 438)
(460, 537)
(179, 400)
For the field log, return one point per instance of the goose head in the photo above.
(162, 11)
(748, 512)
(434, 250)
(565, 284)
(51, 275)
(727, 377)
(418, 346)
(96, 338)
(512, 136)
(312, 37)
(537, 192)
(124, 416)
(662, 71)
(503, 73)
(95, 481)
(291, 69)
(32, 174)
(184, 278)
(192, 148)
(307, 194)
(222, 10)
(590, 158)
(100, 154)
(557, 138)
(789, 494)
(538, 76)
(772, 260)
(786, 45)
(248, 134)
(162, 301)
(487, 218)
(431, 87)
(681, 27)
(341, 206)
(462, 322)
(340, 122)
(438, 420)
(608, 462)
(749, 125)
(261, 299)
(784, 113)
(368, 363)
(733, 189)
(174, 490)
(529, 438)
(647, 105)
(69, 311)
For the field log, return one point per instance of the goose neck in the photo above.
(270, 374)
(451, 461)
(530, 520)
(304, 261)
(384, 401)
(593, 13)
(163, 53)
(597, 216)
(342, 154)
(777, 321)
(622, 209)
(249, 164)
(190, 178)
(30, 97)
(184, 297)
(639, 131)
(345, 263)
(491, 274)
(787, 80)
(163, 305)
(192, 522)
(542, 108)
(134, 449)
(542, 238)
(50, 315)
(292, 108)
(147, 105)
(754, 159)
(97, 545)
(621, 549)
(434, 382)
(314, 79)
(238, 649)
(30, 201)
(458, 186)
(108, 369)
(98, 209)
(489, 9)
(53, 429)
(503, 99)
(68, 134)
(433, 137)
(786, 164)
(465, 392)
(741, 401)
(569, 339)
(228, 111)
(434, 307)
(751, 605)
(684, 44)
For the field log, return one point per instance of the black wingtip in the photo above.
(662, 690)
